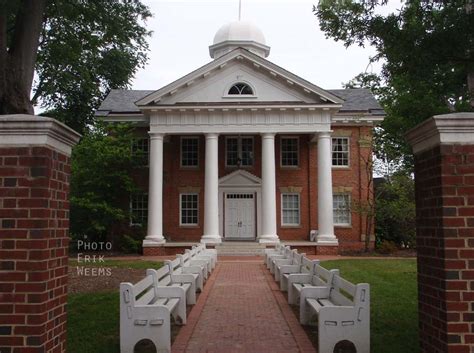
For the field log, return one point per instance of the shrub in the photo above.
(387, 247)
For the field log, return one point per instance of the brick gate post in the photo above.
(444, 183)
(34, 225)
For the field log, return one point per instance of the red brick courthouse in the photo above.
(241, 149)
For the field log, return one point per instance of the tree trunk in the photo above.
(17, 62)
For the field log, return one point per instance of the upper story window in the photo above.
(241, 89)
(289, 152)
(140, 150)
(189, 151)
(239, 151)
(340, 151)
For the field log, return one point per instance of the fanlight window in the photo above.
(241, 89)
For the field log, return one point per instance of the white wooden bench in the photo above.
(272, 251)
(190, 266)
(294, 261)
(342, 311)
(320, 277)
(279, 251)
(145, 310)
(203, 251)
(306, 266)
(179, 279)
(284, 259)
(195, 259)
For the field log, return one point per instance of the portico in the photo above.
(312, 120)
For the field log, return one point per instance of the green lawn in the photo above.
(393, 290)
(93, 319)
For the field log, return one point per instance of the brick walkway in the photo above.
(242, 310)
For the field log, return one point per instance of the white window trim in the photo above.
(350, 210)
(181, 152)
(239, 151)
(132, 224)
(297, 138)
(348, 153)
(181, 224)
(239, 96)
(299, 209)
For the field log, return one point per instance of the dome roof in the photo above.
(239, 31)
(237, 34)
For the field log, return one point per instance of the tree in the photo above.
(427, 53)
(395, 211)
(102, 180)
(78, 49)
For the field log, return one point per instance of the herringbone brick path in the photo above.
(242, 310)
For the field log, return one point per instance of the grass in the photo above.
(393, 290)
(93, 323)
(134, 264)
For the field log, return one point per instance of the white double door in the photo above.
(240, 216)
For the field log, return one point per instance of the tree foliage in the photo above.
(427, 52)
(85, 48)
(395, 211)
(101, 182)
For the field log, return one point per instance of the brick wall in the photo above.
(445, 238)
(444, 185)
(34, 222)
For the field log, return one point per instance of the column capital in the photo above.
(211, 135)
(156, 135)
(268, 135)
(324, 134)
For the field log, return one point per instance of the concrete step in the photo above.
(240, 249)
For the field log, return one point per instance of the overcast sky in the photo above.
(183, 31)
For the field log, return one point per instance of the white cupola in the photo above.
(237, 34)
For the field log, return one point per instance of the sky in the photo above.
(183, 31)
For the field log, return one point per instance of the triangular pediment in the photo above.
(210, 84)
(240, 178)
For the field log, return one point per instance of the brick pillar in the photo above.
(444, 180)
(34, 224)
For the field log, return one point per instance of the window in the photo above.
(340, 151)
(188, 209)
(140, 150)
(240, 89)
(342, 209)
(239, 151)
(138, 209)
(290, 209)
(289, 152)
(189, 151)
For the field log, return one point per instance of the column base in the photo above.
(153, 241)
(211, 239)
(327, 240)
(268, 239)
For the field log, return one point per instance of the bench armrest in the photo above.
(184, 278)
(314, 292)
(171, 292)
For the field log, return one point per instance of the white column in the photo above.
(269, 223)
(211, 192)
(325, 206)
(155, 192)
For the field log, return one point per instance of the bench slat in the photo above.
(139, 287)
(345, 285)
(147, 298)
